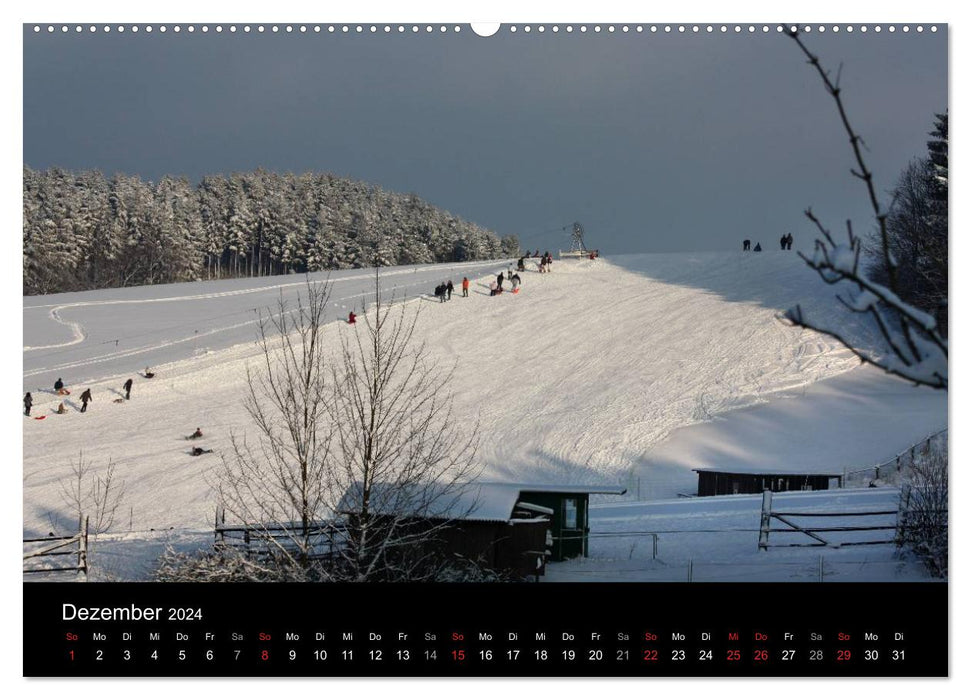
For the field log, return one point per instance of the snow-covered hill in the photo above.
(593, 373)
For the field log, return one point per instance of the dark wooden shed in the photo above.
(508, 527)
(718, 482)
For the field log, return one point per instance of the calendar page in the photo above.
(423, 349)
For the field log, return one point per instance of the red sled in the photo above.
(39, 417)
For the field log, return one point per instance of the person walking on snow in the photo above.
(28, 402)
(499, 281)
(789, 241)
(128, 389)
(85, 397)
(449, 288)
(465, 286)
(351, 317)
(782, 241)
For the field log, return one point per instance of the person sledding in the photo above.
(128, 390)
(60, 409)
(60, 389)
(148, 374)
(352, 317)
(85, 398)
(195, 436)
(196, 451)
(28, 402)
(516, 281)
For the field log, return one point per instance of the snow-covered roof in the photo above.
(534, 508)
(774, 471)
(572, 488)
(485, 501)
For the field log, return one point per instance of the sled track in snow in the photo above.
(79, 334)
(256, 290)
(77, 331)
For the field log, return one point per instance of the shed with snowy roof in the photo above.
(720, 482)
(509, 527)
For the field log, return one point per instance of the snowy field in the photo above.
(632, 370)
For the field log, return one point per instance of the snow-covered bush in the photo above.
(924, 502)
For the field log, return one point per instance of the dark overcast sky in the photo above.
(655, 142)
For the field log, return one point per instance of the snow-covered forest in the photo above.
(87, 231)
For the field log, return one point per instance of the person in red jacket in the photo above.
(465, 286)
(351, 318)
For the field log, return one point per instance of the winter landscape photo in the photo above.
(565, 303)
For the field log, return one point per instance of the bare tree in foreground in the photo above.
(357, 466)
(95, 494)
(913, 346)
(277, 483)
(398, 461)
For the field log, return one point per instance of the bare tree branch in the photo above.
(914, 347)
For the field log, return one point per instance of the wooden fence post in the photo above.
(83, 547)
(765, 523)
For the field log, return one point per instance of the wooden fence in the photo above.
(771, 520)
(895, 464)
(44, 549)
(322, 540)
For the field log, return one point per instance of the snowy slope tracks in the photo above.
(573, 380)
(162, 323)
(581, 378)
(77, 331)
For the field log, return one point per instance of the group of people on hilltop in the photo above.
(785, 243)
(545, 262)
(445, 289)
(86, 397)
(498, 287)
